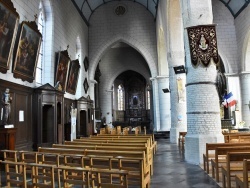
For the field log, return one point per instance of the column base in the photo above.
(195, 146)
(174, 134)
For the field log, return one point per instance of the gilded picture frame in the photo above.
(27, 52)
(62, 70)
(73, 77)
(9, 20)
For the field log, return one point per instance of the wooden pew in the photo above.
(127, 139)
(143, 168)
(210, 147)
(153, 142)
(42, 179)
(242, 180)
(234, 137)
(15, 178)
(216, 163)
(148, 152)
(70, 176)
(105, 144)
(234, 161)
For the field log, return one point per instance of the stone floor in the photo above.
(171, 171)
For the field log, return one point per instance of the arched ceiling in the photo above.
(235, 6)
(87, 7)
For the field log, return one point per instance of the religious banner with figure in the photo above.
(203, 44)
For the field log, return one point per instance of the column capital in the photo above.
(158, 78)
(93, 81)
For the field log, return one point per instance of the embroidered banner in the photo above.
(203, 44)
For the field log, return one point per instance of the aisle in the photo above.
(171, 171)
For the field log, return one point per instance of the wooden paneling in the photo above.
(21, 100)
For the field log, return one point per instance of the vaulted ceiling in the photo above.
(235, 6)
(87, 7)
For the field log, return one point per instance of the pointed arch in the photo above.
(246, 53)
(95, 58)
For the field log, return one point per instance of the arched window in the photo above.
(78, 56)
(41, 24)
(148, 100)
(120, 96)
(148, 97)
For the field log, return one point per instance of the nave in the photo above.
(170, 169)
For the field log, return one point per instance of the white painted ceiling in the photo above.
(87, 7)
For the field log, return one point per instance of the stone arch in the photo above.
(111, 81)
(226, 64)
(246, 53)
(151, 61)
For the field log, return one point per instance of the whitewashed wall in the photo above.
(63, 26)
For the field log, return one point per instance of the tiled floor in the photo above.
(171, 171)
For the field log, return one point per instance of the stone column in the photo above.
(156, 109)
(176, 57)
(92, 89)
(164, 103)
(245, 93)
(203, 112)
(92, 96)
(107, 106)
(178, 107)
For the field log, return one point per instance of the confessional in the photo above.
(48, 121)
(85, 117)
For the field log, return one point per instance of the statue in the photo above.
(6, 100)
(203, 45)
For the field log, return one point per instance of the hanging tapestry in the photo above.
(203, 44)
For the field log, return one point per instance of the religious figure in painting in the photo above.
(203, 43)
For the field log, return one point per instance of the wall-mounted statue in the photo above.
(6, 103)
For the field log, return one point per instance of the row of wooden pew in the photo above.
(118, 130)
(229, 162)
(35, 169)
(129, 158)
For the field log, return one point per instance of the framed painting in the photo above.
(27, 51)
(73, 76)
(62, 70)
(86, 63)
(9, 20)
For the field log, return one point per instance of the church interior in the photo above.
(155, 68)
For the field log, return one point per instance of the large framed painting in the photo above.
(73, 76)
(9, 20)
(62, 70)
(86, 63)
(27, 51)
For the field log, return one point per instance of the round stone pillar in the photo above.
(178, 99)
(203, 112)
(245, 93)
(176, 57)
(156, 109)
